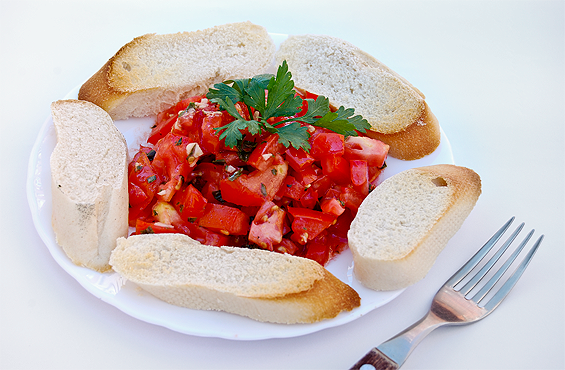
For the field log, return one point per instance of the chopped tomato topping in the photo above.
(258, 194)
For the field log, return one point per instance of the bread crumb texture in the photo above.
(177, 260)
(191, 58)
(90, 153)
(402, 210)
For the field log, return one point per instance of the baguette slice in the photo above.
(153, 72)
(404, 224)
(88, 183)
(265, 286)
(350, 77)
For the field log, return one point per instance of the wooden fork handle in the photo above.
(377, 359)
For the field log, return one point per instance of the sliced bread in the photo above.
(404, 224)
(350, 77)
(88, 183)
(263, 285)
(153, 72)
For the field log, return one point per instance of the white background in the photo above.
(493, 74)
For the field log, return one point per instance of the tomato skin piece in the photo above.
(267, 228)
(308, 223)
(287, 246)
(360, 176)
(332, 206)
(329, 143)
(210, 139)
(189, 202)
(350, 197)
(167, 119)
(298, 159)
(307, 175)
(318, 250)
(143, 181)
(172, 162)
(371, 150)
(291, 188)
(225, 219)
(143, 227)
(337, 168)
(310, 198)
(254, 188)
(236, 192)
(264, 154)
(229, 158)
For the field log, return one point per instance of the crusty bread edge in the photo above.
(384, 275)
(418, 140)
(322, 296)
(327, 298)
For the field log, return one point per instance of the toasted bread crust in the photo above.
(259, 284)
(326, 299)
(416, 141)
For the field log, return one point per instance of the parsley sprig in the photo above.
(269, 96)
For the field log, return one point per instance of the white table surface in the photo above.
(493, 74)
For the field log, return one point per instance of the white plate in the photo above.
(126, 296)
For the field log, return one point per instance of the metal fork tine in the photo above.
(505, 289)
(466, 268)
(480, 295)
(486, 268)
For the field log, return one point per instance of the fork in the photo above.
(463, 299)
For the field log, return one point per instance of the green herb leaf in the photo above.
(295, 135)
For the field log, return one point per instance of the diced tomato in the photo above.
(360, 176)
(189, 202)
(210, 142)
(310, 198)
(350, 197)
(301, 203)
(207, 172)
(254, 188)
(143, 181)
(321, 184)
(333, 206)
(308, 224)
(307, 175)
(142, 227)
(337, 168)
(236, 192)
(327, 144)
(318, 251)
(291, 188)
(225, 219)
(264, 154)
(167, 119)
(174, 162)
(268, 226)
(371, 150)
(229, 158)
(287, 246)
(298, 158)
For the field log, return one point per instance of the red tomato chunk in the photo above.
(260, 194)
